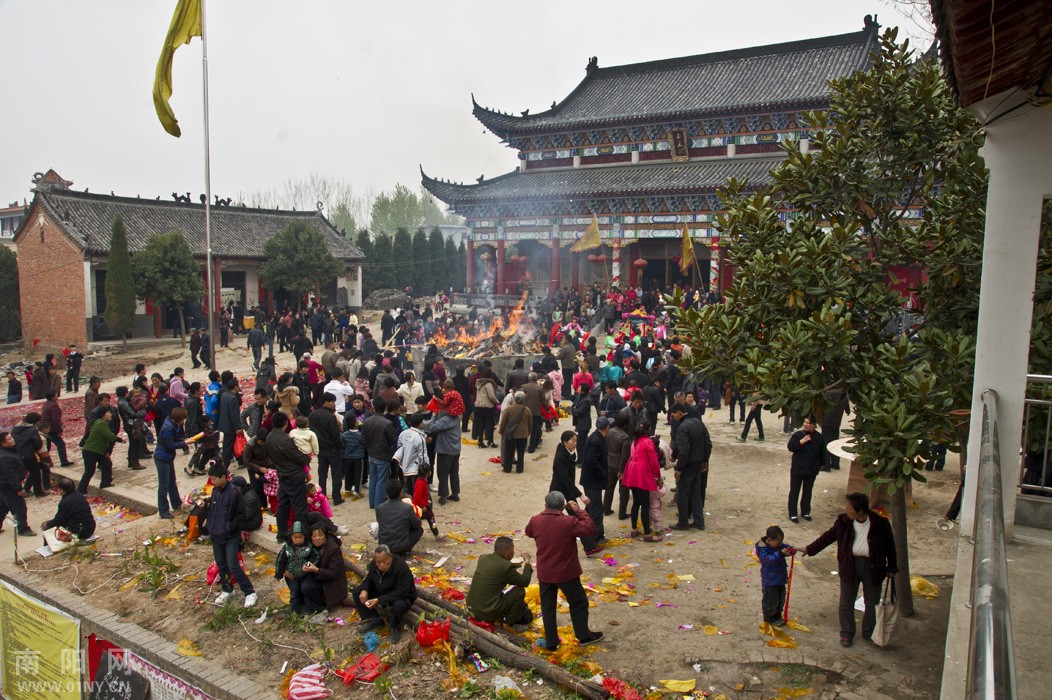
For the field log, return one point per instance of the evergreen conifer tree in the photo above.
(424, 267)
(120, 289)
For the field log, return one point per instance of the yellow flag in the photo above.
(687, 257)
(590, 240)
(186, 24)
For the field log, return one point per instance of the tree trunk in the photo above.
(182, 324)
(495, 645)
(899, 529)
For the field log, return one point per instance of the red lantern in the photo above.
(640, 263)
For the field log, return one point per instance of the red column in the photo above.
(471, 265)
(217, 273)
(633, 271)
(556, 272)
(502, 275)
(575, 270)
(270, 301)
(204, 301)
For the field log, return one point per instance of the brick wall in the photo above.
(51, 284)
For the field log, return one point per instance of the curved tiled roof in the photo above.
(627, 180)
(237, 232)
(778, 76)
(975, 64)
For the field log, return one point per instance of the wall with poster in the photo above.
(39, 649)
(54, 645)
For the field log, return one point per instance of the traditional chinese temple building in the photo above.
(644, 148)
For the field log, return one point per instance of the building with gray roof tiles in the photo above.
(64, 241)
(642, 150)
(792, 74)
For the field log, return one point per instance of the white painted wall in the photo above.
(352, 282)
(89, 290)
(251, 287)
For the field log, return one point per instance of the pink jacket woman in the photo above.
(642, 470)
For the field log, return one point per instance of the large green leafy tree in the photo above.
(165, 272)
(120, 288)
(813, 310)
(298, 260)
(10, 313)
(403, 208)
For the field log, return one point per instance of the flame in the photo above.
(468, 341)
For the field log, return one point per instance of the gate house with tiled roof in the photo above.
(64, 242)
(644, 148)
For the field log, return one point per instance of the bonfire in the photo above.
(516, 337)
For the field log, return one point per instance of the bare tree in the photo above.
(921, 28)
(337, 199)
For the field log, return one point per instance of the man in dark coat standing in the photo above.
(865, 553)
(12, 495)
(326, 426)
(229, 418)
(534, 398)
(594, 471)
(195, 347)
(289, 463)
(809, 449)
(692, 450)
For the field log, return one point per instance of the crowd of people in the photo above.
(353, 420)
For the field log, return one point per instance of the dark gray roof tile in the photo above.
(794, 74)
(237, 232)
(626, 180)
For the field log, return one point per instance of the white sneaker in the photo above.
(222, 598)
(250, 600)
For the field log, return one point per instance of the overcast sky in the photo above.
(359, 91)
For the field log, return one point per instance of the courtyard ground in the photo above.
(685, 608)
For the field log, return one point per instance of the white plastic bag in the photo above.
(887, 616)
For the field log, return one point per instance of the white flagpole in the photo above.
(208, 203)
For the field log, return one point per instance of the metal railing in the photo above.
(1035, 470)
(991, 672)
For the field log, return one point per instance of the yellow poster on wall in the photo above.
(39, 649)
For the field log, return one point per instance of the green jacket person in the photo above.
(487, 601)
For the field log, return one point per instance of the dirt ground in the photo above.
(685, 608)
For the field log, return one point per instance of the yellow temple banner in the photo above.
(590, 240)
(687, 257)
(186, 24)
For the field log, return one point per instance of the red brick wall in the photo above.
(51, 284)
